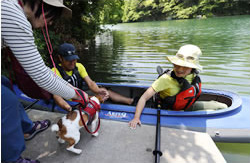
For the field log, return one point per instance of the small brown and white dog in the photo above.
(68, 127)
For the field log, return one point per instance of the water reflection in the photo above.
(131, 52)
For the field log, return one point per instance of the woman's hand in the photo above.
(134, 122)
(67, 108)
(62, 103)
(81, 97)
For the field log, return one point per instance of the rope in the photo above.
(48, 43)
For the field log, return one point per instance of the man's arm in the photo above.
(94, 87)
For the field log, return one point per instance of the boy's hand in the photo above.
(133, 123)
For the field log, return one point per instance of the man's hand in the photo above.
(104, 93)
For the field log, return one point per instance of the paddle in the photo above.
(159, 70)
(29, 106)
(157, 152)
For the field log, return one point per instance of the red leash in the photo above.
(48, 43)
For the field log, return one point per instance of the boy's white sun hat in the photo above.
(67, 12)
(187, 56)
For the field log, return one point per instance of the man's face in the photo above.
(68, 65)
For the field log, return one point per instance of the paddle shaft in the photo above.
(157, 152)
(29, 106)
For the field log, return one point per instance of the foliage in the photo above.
(135, 10)
(42, 47)
(87, 18)
(140, 10)
(112, 11)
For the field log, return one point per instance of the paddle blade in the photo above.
(159, 70)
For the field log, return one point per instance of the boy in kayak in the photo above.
(179, 88)
(75, 73)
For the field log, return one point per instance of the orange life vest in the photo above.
(188, 94)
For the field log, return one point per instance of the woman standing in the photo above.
(18, 18)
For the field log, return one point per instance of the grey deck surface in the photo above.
(117, 143)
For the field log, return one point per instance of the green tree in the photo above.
(111, 12)
(135, 10)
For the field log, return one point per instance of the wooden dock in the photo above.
(117, 143)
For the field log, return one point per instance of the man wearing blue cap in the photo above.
(75, 73)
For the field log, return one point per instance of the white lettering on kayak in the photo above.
(116, 114)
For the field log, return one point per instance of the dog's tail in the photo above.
(54, 127)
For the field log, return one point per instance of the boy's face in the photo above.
(181, 71)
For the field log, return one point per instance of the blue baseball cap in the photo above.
(67, 51)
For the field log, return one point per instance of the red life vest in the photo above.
(188, 94)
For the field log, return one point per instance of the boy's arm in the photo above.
(140, 106)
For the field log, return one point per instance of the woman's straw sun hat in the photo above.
(187, 56)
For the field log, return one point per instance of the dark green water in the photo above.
(129, 54)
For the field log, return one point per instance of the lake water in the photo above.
(129, 54)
